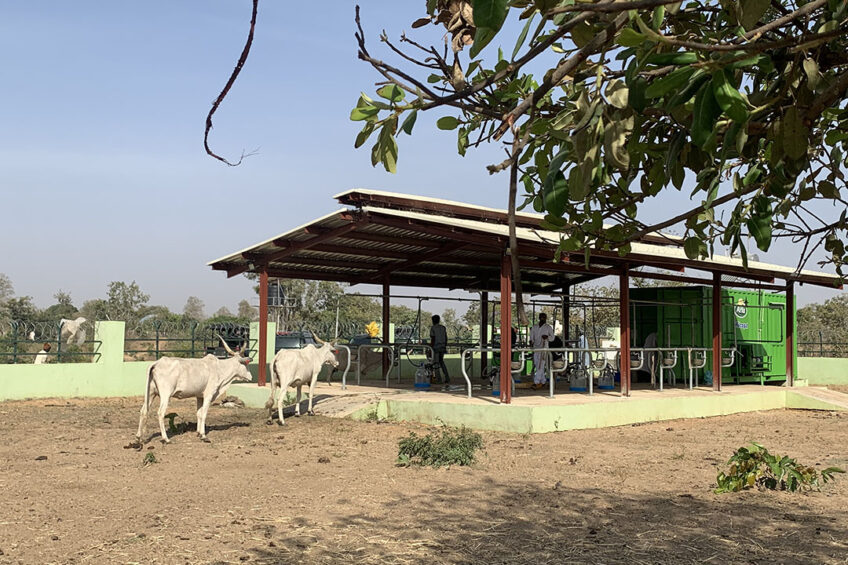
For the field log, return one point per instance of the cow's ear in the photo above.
(246, 360)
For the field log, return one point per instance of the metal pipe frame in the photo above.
(382, 346)
(344, 375)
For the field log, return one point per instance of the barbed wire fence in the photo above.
(70, 341)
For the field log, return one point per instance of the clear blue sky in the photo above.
(102, 167)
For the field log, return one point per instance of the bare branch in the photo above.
(241, 61)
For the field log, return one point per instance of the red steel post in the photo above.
(717, 370)
(484, 330)
(790, 333)
(263, 324)
(506, 333)
(624, 314)
(386, 321)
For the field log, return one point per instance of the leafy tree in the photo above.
(95, 309)
(223, 312)
(64, 307)
(741, 103)
(7, 290)
(246, 311)
(123, 302)
(21, 309)
(193, 309)
(823, 324)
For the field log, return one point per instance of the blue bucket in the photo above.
(578, 389)
(605, 388)
(422, 386)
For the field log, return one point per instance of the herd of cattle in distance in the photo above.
(205, 379)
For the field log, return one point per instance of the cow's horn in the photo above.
(316, 338)
(227, 347)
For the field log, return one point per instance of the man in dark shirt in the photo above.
(439, 343)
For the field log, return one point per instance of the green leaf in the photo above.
(581, 34)
(363, 135)
(616, 93)
(616, 136)
(760, 224)
(409, 122)
(811, 69)
(522, 36)
(676, 58)
(482, 37)
(447, 123)
(392, 92)
(490, 13)
(693, 246)
(364, 113)
(673, 81)
(834, 136)
(704, 115)
(828, 190)
(729, 99)
(389, 154)
(555, 194)
(752, 11)
(462, 141)
(630, 38)
(795, 135)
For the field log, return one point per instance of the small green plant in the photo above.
(756, 467)
(149, 459)
(176, 429)
(451, 446)
(371, 416)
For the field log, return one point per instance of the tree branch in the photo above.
(223, 94)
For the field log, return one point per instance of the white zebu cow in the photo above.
(204, 379)
(72, 330)
(295, 368)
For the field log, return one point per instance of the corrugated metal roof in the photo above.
(419, 241)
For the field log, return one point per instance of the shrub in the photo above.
(149, 459)
(452, 446)
(756, 467)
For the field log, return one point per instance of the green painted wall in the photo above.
(823, 370)
(108, 375)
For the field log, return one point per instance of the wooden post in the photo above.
(790, 333)
(506, 327)
(263, 324)
(484, 330)
(624, 315)
(717, 371)
(386, 321)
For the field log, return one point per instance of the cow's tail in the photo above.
(274, 380)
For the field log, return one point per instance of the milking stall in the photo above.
(705, 337)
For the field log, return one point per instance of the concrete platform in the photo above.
(534, 412)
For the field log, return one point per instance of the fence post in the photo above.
(15, 342)
(821, 344)
(193, 331)
(157, 325)
(59, 342)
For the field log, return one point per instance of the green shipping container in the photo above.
(752, 321)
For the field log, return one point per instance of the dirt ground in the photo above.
(323, 490)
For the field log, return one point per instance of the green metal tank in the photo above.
(752, 321)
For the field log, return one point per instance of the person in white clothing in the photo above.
(41, 356)
(540, 335)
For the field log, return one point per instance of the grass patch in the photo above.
(450, 446)
(756, 467)
(149, 459)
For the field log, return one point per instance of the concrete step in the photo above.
(822, 398)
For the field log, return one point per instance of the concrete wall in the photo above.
(107, 375)
(823, 370)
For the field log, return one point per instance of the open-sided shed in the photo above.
(395, 239)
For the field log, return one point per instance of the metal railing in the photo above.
(377, 346)
(180, 339)
(22, 341)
